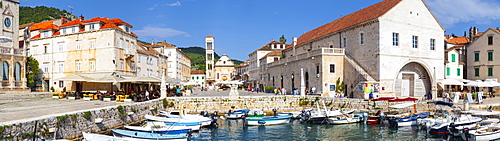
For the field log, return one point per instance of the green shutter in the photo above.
(458, 71)
(448, 71)
(476, 71)
(490, 71)
(476, 56)
(452, 57)
(490, 56)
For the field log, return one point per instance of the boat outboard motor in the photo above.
(393, 123)
(274, 111)
(365, 117)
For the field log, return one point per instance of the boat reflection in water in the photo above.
(296, 130)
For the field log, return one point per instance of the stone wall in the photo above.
(72, 124)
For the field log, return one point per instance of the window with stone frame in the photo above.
(361, 39)
(490, 55)
(433, 44)
(490, 40)
(476, 71)
(476, 56)
(395, 39)
(332, 68)
(414, 41)
(458, 71)
(490, 71)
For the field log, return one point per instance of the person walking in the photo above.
(446, 96)
(295, 91)
(283, 91)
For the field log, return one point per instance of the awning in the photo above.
(451, 81)
(402, 105)
(478, 83)
(142, 79)
(75, 77)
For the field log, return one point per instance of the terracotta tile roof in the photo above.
(118, 21)
(352, 19)
(447, 36)
(109, 25)
(54, 27)
(197, 72)
(35, 37)
(478, 34)
(209, 36)
(458, 40)
(57, 33)
(273, 53)
(41, 25)
(266, 47)
(134, 34)
(26, 25)
(142, 49)
(95, 19)
(73, 22)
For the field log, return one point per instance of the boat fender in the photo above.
(261, 122)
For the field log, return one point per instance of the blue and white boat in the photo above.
(161, 127)
(440, 128)
(148, 135)
(267, 120)
(411, 120)
(238, 114)
(205, 121)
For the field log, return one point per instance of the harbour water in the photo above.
(296, 130)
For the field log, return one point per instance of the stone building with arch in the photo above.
(12, 57)
(392, 48)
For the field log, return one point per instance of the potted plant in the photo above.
(107, 98)
(55, 96)
(72, 97)
(52, 88)
(128, 99)
(86, 97)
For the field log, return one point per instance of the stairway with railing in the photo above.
(366, 76)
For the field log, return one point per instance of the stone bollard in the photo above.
(466, 105)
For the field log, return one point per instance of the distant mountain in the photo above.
(41, 13)
(197, 55)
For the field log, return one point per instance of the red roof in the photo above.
(118, 21)
(54, 27)
(35, 37)
(109, 25)
(41, 25)
(355, 18)
(459, 40)
(73, 22)
(57, 33)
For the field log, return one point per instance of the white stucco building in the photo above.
(392, 48)
(179, 64)
(255, 75)
(483, 56)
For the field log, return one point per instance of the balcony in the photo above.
(11, 51)
(4, 50)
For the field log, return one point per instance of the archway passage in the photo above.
(412, 80)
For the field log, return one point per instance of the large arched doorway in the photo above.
(412, 80)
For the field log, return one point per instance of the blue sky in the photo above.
(242, 26)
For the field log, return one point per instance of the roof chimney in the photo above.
(152, 42)
(294, 41)
(82, 18)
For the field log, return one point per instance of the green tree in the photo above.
(41, 13)
(32, 69)
(340, 86)
(283, 39)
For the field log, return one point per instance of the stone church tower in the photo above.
(209, 56)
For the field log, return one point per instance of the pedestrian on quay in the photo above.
(283, 91)
(295, 91)
(446, 96)
(370, 95)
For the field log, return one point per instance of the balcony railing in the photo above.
(5, 50)
(18, 52)
(5, 83)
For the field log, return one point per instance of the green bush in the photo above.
(268, 88)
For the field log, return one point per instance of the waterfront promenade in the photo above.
(25, 109)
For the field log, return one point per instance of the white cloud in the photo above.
(449, 12)
(174, 4)
(153, 8)
(159, 31)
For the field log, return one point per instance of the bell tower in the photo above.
(209, 56)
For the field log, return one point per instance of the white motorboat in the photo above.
(272, 120)
(238, 114)
(484, 133)
(99, 137)
(346, 119)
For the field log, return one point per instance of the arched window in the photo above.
(5, 71)
(17, 72)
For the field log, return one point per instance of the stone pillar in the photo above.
(163, 87)
(302, 83)
(233, 93)
(434, 85)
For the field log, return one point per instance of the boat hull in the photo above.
(253, 121)
(147, 135)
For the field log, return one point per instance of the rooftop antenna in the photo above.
(71, 9)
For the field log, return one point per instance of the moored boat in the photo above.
(161, 127)
(99, 137)
(238, 114)
(272, 120)
(148, 135)
(346, 119)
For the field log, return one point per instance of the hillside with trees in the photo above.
(197, 55)
(41, 13)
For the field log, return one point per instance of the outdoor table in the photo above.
(91, 96)
(120, 97)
